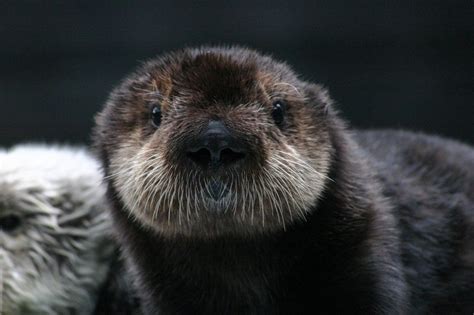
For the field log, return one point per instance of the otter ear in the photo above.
(318, 96)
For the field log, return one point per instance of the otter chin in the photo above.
(236, 188)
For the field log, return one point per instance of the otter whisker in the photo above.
(275, 195)
(159, 181)
(262, 207)
(288, 84)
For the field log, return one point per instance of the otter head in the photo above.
(55, 235)
(213, 141)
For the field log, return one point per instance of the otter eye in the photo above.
(9, 223)
(278, 112)
(156, 115)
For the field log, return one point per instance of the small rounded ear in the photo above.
(318, 96)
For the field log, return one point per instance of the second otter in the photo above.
(237, 189)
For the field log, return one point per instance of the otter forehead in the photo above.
(215, 75)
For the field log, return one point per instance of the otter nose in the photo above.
(215, 147)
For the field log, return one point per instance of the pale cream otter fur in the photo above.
(57, 257)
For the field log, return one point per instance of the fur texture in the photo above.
(347, 222)
(55, 232)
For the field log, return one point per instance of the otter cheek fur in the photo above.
(237, 189)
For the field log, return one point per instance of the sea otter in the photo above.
(55, 236)
(57, 254)
(237, 189)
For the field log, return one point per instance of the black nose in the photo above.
(216, 147)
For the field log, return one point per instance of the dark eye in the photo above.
(278, 112)
(9, 223)
(156, 115)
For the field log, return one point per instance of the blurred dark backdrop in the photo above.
(403, 64)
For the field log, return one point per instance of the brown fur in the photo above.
(323, 220)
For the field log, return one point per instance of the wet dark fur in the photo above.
(430, 182)
(393, 233)
(117, 295)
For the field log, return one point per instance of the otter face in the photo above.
(215, 141)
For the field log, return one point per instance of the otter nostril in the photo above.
(9, 223)
(201, 157)
(229, 156)
(215, 147)
(206, 157)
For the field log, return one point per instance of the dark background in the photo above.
(402, 64)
